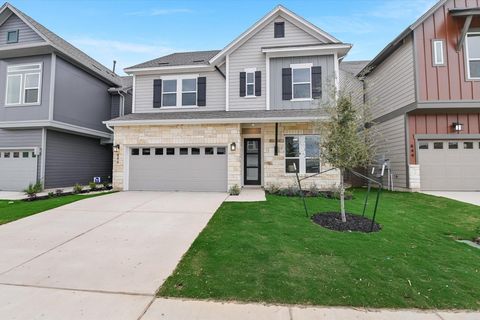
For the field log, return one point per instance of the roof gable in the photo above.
(284, 13)
(25, 35)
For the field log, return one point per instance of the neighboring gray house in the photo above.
(53, 99)
(243, 115)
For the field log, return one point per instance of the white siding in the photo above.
(391, 85)
(391, 145)
(25, 35)
(215, 93)
(249, 55)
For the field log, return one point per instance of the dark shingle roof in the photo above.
(180, 59)
(353, 67)
(69, 50)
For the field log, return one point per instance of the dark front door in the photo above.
(252, 162)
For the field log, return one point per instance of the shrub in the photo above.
(234, 190)
(272, 188)
(77, 188)
(59, 192)
(51, 194)
(33, 189)
(106, 185)
(313, 191)
(290, 191)
(92, 186)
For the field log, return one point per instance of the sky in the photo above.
(132, 32)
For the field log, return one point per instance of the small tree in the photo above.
(346, 139)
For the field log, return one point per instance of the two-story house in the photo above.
(424, 90)
(53, 99)
(243, 115)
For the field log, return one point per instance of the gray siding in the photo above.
(20, 139)
(328, 81)
(33, 112)
(25, 35)
(391, 145)
(391, 85)
(351, 87)
(74, 159)
(215, 92)
(128, 104)
(115, 111)
(80, 99)
(249, 55)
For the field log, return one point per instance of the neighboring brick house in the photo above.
(244, 115)
(53, 99)
(424, 89)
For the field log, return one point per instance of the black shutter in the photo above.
(286, 84)
(202, 91)
(243, 83)
(258, 83)
(157, 93)
(316, 82)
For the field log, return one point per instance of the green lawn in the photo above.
(269, 252)
(14, 210)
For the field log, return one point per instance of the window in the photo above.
(438, 145)
(473, 55)
(453, 145)
(301, 82)
(169, 96)
(170, 151)
(146, 151)
(221, 150)
(25, 154)
(195, 151)
(302, 154)
(279, 30)
(23, 84)
(183, 151)
(135, 152)
(6, 154)
(208, 150)
(158, 151)
(12, 36)
(468, 145)
(16, 154)
(423, 145)
(189, 92)
(438, 56)
(250, 79)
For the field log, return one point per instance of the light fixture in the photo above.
(233, 146)
(457, 126)
(116, 148)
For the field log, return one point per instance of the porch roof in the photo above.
(209, 117)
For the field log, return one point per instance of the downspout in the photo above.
(276, 139)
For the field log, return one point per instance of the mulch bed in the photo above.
(333, 221)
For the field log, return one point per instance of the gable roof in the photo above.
(395, 43)
(278, 10)
(179, 59)
(64, 47)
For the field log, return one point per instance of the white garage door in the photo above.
(178, 168)
(449, 165)
(18, 168)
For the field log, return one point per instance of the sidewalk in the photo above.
(176, 309)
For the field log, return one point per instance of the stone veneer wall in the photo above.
(177, 135)
(414, 177)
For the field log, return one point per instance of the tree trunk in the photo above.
(342, 196)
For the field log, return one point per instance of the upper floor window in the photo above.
(438, 53)
(23, 84)
(189, 92)
(250, 83)
(12, 36)
(301, 81)
(473, 55)
(169, 95)
(179, 91)
(279, 30)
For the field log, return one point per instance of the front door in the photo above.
(251, 162)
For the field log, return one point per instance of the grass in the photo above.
(270, 252)
(14, 210)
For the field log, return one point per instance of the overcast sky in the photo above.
(135, 31)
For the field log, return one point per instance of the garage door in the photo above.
(178, 169)
(449, 165)
(18, 168)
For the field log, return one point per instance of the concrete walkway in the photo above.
(471, 197)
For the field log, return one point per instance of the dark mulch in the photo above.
(333, 221)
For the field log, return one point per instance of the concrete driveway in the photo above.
(99, 258)
(472, 197)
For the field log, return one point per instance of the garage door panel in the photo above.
(18, 168)
(178, 172)
(449, 169)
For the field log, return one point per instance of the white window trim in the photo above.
(17, 31)
(302, 156)
(247, 71)
(196, 93)
(438, 56)
(302, 66)
(468, 58)
(179, 91)
(36, 68)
